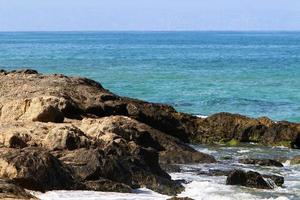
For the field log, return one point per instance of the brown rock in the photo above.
(172, 150)
(247, 179)
(34, 169)
(66, 137)
(10, 191)
(262, 162)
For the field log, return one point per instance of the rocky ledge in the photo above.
(59, 132)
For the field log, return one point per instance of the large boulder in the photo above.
(248, 179)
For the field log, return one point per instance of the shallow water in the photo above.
(203, 187)
(251, 73)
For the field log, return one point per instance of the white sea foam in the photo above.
(202, 116)
(140, 194)
(207, 190)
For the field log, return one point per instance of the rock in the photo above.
(248, 179)
(172, 150)
(283, 134)
(295, 160)
(261, 162)
(58, 97)
(9, 190)
(59, 132)
(226, 128)
(43, 109)
(106, 185)
(278, 180)
(130, 165)
(66, 137)
(34, 169)
(171, 168)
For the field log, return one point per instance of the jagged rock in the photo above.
(171, 149)
(248, 179)
(130, 165)
(10, 191)
(262, 162)
(34, 169)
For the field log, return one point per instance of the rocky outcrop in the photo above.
(226, 127)
(247, 179)
(10, 191)
(59, 132)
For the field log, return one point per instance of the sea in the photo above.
(202, 73)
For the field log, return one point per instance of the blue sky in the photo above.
(68, 15)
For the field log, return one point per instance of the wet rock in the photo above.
(261, 162)
(171, 168)
(278, 180)
(283, 134)
(8, 190)
(248, 179)
(106, 185)
(34, 169)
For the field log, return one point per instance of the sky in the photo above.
(149, 15)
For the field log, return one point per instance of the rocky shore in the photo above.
(69, 133)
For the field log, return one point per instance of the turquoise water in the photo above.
(252, 73)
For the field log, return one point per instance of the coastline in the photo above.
(92, 139)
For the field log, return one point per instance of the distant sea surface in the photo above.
(251, 73)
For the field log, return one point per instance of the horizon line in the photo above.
(253, 30)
